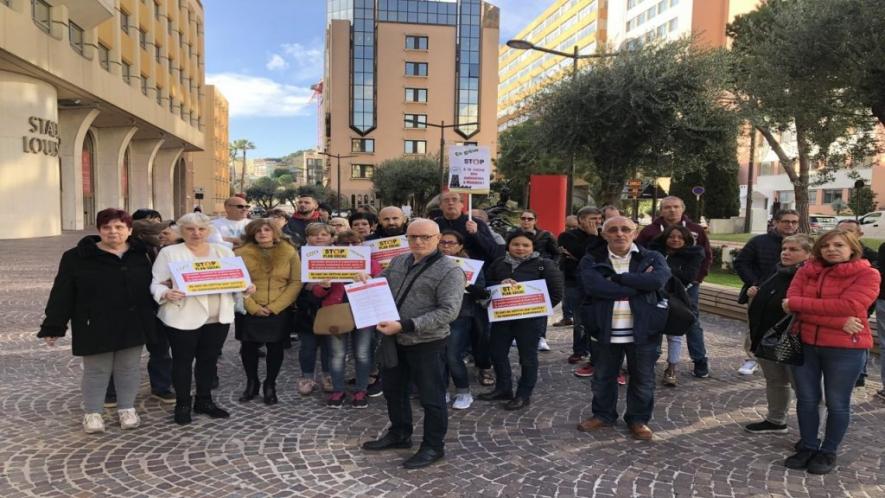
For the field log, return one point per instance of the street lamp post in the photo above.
(442, 145)
(339, 157)
(574, 56)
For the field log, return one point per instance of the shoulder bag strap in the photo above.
(401, 294)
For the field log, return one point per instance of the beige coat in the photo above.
(276, 274)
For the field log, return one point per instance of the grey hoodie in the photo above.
(433, 301)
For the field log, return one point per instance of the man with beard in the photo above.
(391, 223)
(307, 213)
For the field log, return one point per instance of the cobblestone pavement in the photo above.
(300, 448)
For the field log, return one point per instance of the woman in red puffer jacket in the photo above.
(830, 297)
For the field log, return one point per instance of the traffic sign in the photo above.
(698, 190)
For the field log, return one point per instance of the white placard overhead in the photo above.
(470, 169)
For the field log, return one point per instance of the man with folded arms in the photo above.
(428, 289)
(628, 314)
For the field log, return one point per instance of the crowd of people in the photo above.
(619, 287)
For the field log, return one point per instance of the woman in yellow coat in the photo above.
(275, 269)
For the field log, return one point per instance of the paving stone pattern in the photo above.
(301, 448)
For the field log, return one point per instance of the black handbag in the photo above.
(679, 315)
(780, 344)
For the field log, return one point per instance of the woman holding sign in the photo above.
(198, 324)
(521, 263)
(275, 269)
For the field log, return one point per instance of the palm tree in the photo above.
(243, 145)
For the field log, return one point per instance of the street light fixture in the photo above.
(339, 157)
(442, 144)
(518, 44)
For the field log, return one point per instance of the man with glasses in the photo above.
(478, 240)
(427, 288)
(673, 213)
(229, 229)
(758, 260)
(626, 320)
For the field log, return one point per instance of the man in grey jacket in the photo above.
(427, 288)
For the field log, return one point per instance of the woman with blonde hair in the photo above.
(830, 297)
(275, 269)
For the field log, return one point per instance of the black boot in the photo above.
(270, 393)
(183, 411)
(251, 390)
(207, 407)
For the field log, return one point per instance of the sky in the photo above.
(265, 54)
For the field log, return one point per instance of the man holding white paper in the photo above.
(427, 289)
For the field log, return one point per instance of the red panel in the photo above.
(547, 198)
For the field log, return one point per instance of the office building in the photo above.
(393, 68)
(211, 183)
(100, 100)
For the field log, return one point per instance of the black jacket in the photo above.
(684, 263)
(575, 244)
(534, 268)
(545, 244)
(480, 245)
(758, 259)
(765, 309)
(107, 299)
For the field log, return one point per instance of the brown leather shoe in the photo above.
(641, 432)
(592, 424)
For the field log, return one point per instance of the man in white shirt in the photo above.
(229, 229)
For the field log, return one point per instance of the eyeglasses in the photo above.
(422, 238)
(449, 243)
(526, 218)
(621, 229)
(239, 206)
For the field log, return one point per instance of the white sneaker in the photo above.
(92, 423)
(748, 367)
(542, 345)
(462, 401)
(128, 419)
(448, 398)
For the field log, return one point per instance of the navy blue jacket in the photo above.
(602, 286)
(480, 245)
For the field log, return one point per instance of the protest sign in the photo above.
(333, 263)
(371, 302)
(210, 276)
(471, 267)
(383, 250)
(524, 300)
(470, 169)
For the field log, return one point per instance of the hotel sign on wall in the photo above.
(42, 138)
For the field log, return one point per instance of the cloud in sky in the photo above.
(306, 60)
(257, 96)
(276, 62)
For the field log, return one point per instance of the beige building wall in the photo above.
(211, 172)
(391, 83)
(129, 79)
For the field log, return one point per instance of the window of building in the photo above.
(127, 72)
(159, 95)
(673, 25)
(416, 69)
(831, 194)
(415, 146)
(415, 121)
(171, 103)
(416, 42)
(144, 84)
(124, 21)
(169, 61)
(41, 12)
(416, 95)
(157, 10)
(157, 53)
(812, 197)
(5, 2)
(169, 25)
(75, 36)
(362, 145)
(142, 39)
(104, 57)
(181, 75)
(362, 171)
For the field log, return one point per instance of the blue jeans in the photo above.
(674, 348)
(694, 337)
(526, 331)
(839, 368)
(580, 341)
(307, 354)
(361, 342)
(607, 360)
(422, 365)
(459, 340)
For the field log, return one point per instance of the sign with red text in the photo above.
(523, 300)
(383, 250)
(371, 302)
(470, 169)
(334, 263)
(210, 276)
(471, 267)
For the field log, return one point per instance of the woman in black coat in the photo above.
(765, 310)
(685, 259)
(103, 289)
(521, 263)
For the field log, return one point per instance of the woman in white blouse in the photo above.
(198, 325)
